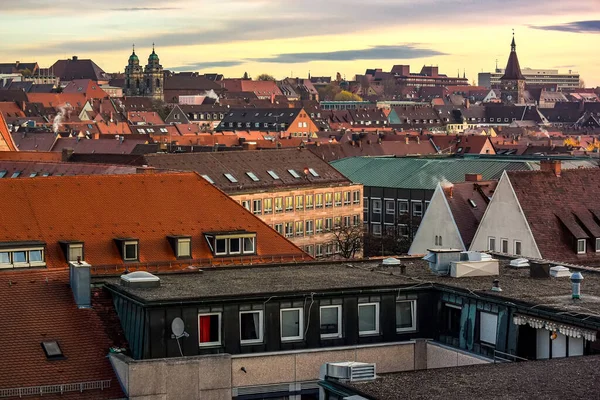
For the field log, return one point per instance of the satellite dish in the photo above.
(178, 328)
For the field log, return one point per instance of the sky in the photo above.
(295, 37)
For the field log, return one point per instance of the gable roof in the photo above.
(239, 163)
(98, 209)
(468, 202)
(561, 209)
(76, 68)
(38, 306)
(464, 144)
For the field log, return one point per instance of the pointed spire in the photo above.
(153, 48)
(513, 46)
(133, 48)
(464, 74)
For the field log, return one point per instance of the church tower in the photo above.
(154, 77)
(512, 83)
(134, 76)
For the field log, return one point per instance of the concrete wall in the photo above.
(504, 219)
(438, 220)
(218, 377)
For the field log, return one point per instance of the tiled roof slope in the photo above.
(39, 168)
(149, 207)
(238, 163)
(39, 306)
(557, 208)
(467, 216)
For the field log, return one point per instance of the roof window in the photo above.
(231, 243)
(15, 174)
(129, 248)
(208, 179)
(472, 203)
(313, 172)
(181, 245)
(294, 173)
(273, 174)
(231, 178)
(2, 174)
(52, 350)
(252, 176)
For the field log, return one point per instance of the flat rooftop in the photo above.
(568, 378)
(221, 282)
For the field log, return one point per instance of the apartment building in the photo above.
(564, 81)
(294, 191)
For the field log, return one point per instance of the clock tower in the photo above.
(512, 83)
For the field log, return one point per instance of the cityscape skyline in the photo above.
(292, 38)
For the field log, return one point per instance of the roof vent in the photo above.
(140, 279)
(390, 262)
(351, 371)
(560, 272)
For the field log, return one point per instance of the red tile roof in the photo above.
(30, 156)
(560, 208)
(149, 207)
(39, 306)
(89, 88)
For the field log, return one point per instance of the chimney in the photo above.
(473, 177)
(418, 140)
(272, 98)
(74, 58)
(406, 139)
(551, 166)
(539, 269)
(66, 154)
(449, 190)
(80, 281)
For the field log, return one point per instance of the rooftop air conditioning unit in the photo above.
(439, 259)
(351, 371)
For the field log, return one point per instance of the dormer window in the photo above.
(597, 245)
(73, 250)
(129, 249)
(22, 254)
(581, 246)
(232, 243)
(181, 245)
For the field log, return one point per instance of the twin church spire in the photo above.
(144, 81)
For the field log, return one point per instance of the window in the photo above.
(235, 243)
(331, 321)
(310, 249)
(403, 230)
(235, 246)
(338, 199)
(346, 221)
(251, 327)
(319, 200)
(356, 197)
(184, 247)
(309, 227)
(368, 319)
(16, 174)
(402, 207)
(75, 251)
(318, 226)
(309, 202)
(376, 206)
(209, 329)
(452, 315)
(289, 203)
(328, 224)
(268, 206)
(130, 250)
(491, 244)
(249, 245)
(417, 210)
(389, 207)
(581, 246)
(246, 205)
(438, 240)
(347, 200)
(376, 230)
(312, 171)
(257, 207)
(231, 178)
(488, 324)
(318, 250)
(518, 250)
(289, 229)
(52, 350)
(278, 204)
(221, 247)
(273, 174)
(504, 243)
(355, 220)
(252, 176)
(300, 203)
(208, 179)
(328, 199)
(597, 245)
(406, 319)
(293, 173)
(299, 228)
(279, 228)
(292, 324)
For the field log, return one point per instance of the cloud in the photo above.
(592, 26)
(145, 9)
(206, 65)
(398, 52)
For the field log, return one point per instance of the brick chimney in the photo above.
(473, 177)
(66, 154)
(551, 166)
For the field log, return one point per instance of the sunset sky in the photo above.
(293, 37)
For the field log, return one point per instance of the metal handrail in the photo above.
(53, 389)
(508, 355)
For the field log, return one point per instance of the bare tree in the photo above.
(348, 239)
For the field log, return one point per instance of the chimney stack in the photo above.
(80, 281)
(551, 166)
(66, 154)
(473, 177)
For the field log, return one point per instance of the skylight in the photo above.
(208, 179)
(293, 173)
(231, 178)
(16, 174)
(472, 203)
(52, 350)
(252, 176)
(272, 173)
(33, 174)
(313, 172)
(2, 174)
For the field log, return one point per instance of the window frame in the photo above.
(257, 210)
(136, 243)
(413, 313)
(339, 333)
(300, 311)
(481, 320)
(503, 242)
(407, 204)
(211, 344)
(377, 324)
(584, 250)
(261, 330)
(518, 244)
(417, 203)
(489, 246)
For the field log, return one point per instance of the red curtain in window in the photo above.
(205, 329)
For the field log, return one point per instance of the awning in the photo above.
(567, 330)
